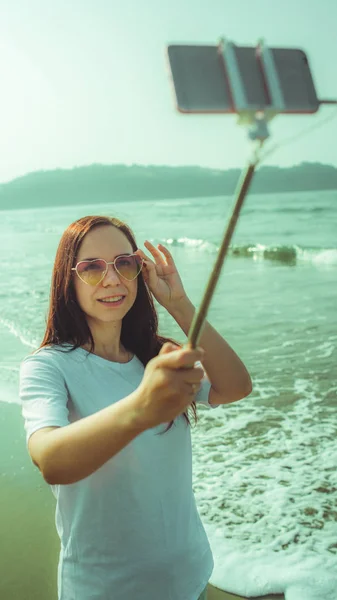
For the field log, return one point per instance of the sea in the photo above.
(265, 476)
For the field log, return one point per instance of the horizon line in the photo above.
(151, 165)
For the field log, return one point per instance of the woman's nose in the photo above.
(111, 276)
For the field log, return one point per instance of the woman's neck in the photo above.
(108, 352)
(107, 341)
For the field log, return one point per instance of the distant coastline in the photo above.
(113, 183)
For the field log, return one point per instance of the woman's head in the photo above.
(75, 305)
(103, 293)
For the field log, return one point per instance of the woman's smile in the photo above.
(112, 301)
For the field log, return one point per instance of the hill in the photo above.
(112, 183)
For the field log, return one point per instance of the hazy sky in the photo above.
(85, 81)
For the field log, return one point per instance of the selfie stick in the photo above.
(256, 118)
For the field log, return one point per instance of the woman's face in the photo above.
(106, 242)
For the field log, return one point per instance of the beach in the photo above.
(28, 536)
(264, 468)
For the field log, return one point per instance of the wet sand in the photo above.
(216, 594)
(29, 543)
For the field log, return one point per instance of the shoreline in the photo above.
(13, 351)
(214, 593)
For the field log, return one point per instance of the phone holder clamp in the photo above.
(253, 113)
(259, 128)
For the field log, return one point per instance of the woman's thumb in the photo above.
(168, 347)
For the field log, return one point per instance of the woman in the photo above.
(105, 401)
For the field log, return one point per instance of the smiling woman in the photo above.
(104, 278)
(107, 402)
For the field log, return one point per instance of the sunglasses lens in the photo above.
(129, 266)
(91, 272)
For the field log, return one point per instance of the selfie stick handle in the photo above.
(200, 316)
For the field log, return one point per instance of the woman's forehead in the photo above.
(104, 240)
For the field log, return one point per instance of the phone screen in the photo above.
(202, 84)
(199, 79)
(296, 80)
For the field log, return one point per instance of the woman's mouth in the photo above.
(111, 301)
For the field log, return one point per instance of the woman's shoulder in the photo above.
(50, 353)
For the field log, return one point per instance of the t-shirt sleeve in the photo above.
(202, 397)
(43, 394)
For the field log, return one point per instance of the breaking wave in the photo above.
(290, 255)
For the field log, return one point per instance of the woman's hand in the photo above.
(169, 385)
(161, 276)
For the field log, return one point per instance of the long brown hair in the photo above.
(66, 322)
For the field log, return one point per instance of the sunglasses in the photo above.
(93, 271)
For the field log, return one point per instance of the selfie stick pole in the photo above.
(252, 115)
(240, 194)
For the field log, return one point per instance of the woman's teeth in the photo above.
(115, 299)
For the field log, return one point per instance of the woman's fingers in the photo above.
(167, 254)
(142, 254)
(161, 257)
(148, 265)
(181, 358)
(168, 347)
(160, 260)
(195, 377)
(193, 388)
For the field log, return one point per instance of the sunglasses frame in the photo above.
(107, 267)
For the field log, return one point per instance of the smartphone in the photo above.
(202, 83)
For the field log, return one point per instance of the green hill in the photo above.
(111, 183)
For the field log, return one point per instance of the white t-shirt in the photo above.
(131, 530)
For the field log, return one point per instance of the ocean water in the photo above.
(265, 475)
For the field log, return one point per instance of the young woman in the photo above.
(106, 403)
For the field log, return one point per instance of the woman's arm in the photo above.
(70, 453)
(227, 374)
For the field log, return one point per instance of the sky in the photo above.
(87, 82)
